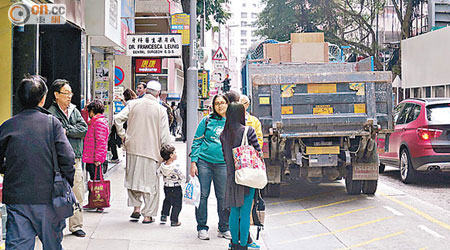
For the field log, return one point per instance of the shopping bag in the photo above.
(250, 169)
(99, 191)
(192, 192)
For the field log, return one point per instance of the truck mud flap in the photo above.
(273, 172)
(365, 171)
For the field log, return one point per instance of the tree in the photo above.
(214, 11)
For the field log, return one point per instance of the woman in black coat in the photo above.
(237, 197)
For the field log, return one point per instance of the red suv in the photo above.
(421, 138)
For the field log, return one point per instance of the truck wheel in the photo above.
(272, 190)
(381, 168)
(353, 187)
(369, 187)
(407, 172)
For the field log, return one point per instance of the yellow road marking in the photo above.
(301, 199)
(338, 231)
(319, 220)
(417, 211)
(285, 184)
(312, 208)
(374, 240)
(424, 248)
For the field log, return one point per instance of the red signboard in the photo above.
(148, 65)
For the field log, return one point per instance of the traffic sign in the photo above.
(219, 55)
(119, 76)
(218, 75)
(219, 64)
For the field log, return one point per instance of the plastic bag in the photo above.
(192, 192)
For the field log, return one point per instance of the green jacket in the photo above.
(206, 144)
(75, 126)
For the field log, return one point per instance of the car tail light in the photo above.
(427, 134)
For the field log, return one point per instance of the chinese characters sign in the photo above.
(154, 45)
(148, 65)
(180, 25)
(203, 83)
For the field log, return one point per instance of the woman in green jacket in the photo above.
(208, 163)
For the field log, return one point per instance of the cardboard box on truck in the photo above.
(277, 52)
(316, 37)
(309, 52)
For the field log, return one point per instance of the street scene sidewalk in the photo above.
(112, 229)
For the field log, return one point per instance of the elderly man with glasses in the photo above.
(75, 129)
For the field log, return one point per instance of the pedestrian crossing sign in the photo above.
(219, 55)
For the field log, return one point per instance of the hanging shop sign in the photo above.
(148, 65)
(154, 45)
(203, 83)
(180, 24)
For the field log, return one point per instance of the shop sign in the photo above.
(203, 83)
(148, 66)
(180, 24)
(154, 45)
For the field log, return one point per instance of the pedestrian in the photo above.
(173, 126)
(95, 141)
(173, 178)
(141, 89)
(232, 96)
(128, 95)
(75, 129)
(251, 120)
(237, 197)
(27, 164)
(147, 132)
(208, 163)
(178, 119)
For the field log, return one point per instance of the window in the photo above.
(254, 5)
(397, 110)
(415, 112)
(404, 114)
(243, 51)
(243, 41)
(254, 15)
(243, 33)
(438, 114)
(254, 41)
(244, 5)
(243, 14)
(243, 23)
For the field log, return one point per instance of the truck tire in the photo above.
(407, 172)
(272, 190)
(369, 187)
(352, 187)
(381, 168)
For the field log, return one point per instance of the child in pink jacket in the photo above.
(96, 140)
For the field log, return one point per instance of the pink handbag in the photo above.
(99, 191)
(250, 169)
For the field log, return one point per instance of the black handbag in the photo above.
(63, 198)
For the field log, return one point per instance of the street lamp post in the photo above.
(191, 91)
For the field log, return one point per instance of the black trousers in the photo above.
(90, 167)
(26, 221)
(174, 198)
(112, 146)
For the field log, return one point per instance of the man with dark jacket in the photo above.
(75, 129)
(26, 160)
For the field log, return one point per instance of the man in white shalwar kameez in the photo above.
(147, 132)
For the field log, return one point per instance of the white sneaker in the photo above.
(203, 235)
(226, 235)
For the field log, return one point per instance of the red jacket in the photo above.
(96, 140)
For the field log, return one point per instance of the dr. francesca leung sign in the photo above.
(154, 45)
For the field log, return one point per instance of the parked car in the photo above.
(421, 138)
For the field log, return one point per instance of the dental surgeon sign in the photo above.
(154, 45)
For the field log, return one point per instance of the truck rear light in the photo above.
(427, 134)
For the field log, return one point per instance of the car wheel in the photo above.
(381, 168)
(407, 172)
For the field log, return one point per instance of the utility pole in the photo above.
(191, 91)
